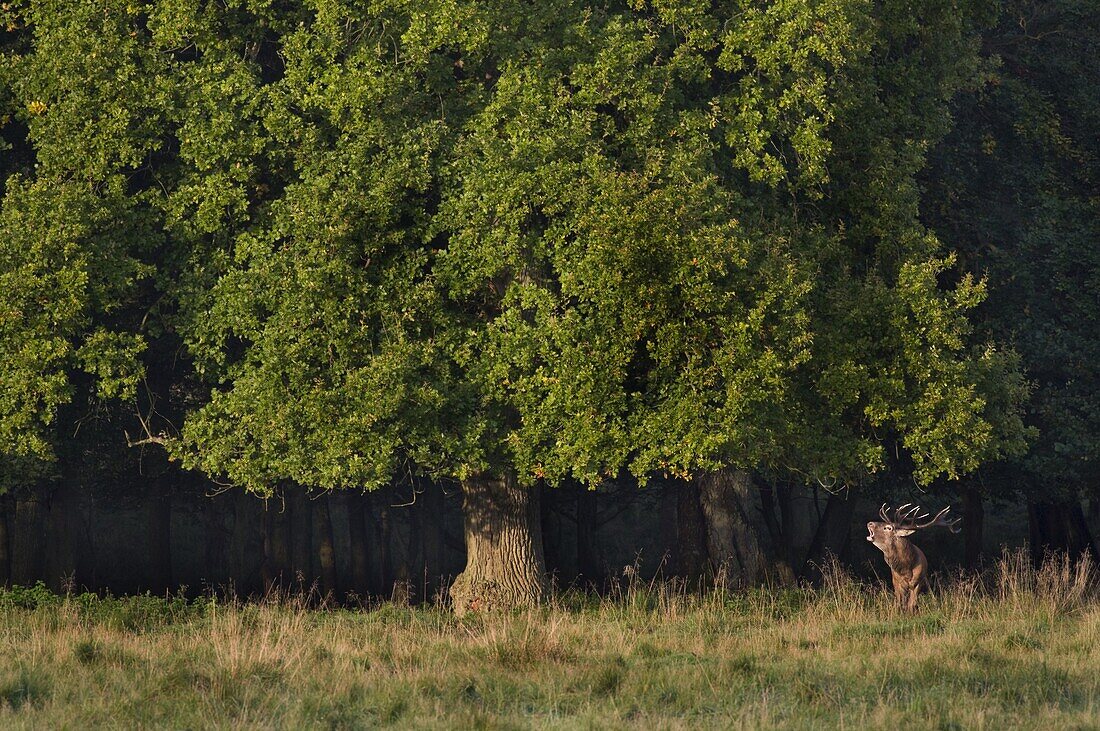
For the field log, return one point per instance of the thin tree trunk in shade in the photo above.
(504, 560)
(60, 554)
(551, 533)
(973, 524)
(214, 510)
(1059, 528)
(276, 567)
(670, 543)
(247, 543)
(786, 517)
(386, 572)
(779, 569)
(358, 543)
(5, 540)
(326, 550)
(301, 536)
(28, 540)
(588, 552)
(800, 522)
(431, 539)
(832, 536)
(767, 505)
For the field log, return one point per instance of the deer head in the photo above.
(906, 521)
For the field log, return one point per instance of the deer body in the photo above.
(908, 565)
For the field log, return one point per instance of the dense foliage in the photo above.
(560, 240)
(1014, 191)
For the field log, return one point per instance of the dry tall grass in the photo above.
(1016, 648)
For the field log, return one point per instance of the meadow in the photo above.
(1014, 647)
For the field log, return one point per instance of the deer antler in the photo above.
(911, 517)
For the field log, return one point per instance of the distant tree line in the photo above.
(520, 248)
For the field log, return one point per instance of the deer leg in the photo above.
(917, 582)
(899, 593)
(914, 591)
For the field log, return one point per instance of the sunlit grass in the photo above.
(1017, 648)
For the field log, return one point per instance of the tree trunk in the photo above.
(214, 510)
(767, 508)
(386, 569)
(549, 498)
(431, 539)
(358, 543)
(670, 559)
(276, 568)
(504, 562)
(973, 524)
(1058, 527)
(778, 569)
(588, 558)
(247, 542)
(60, 539)
(832, 537)
(800, 522)
(732, 543)
(28, 540)
(326, 551)
(5, 541)
(691, 531)
(301, 536)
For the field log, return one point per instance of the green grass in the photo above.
(1020, 650)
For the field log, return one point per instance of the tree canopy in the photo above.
(560, 240)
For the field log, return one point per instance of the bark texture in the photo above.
(732, 543)
(505, 567)
(691, 532)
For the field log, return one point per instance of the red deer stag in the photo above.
(908, 566)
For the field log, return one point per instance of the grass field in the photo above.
(1018, 649)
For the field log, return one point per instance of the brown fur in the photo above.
(908, 565)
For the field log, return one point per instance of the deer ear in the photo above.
(904, 532)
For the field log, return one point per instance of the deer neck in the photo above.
(901, 555)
